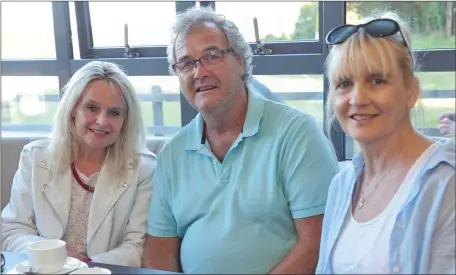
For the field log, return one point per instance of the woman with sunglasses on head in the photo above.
(393, 211)
(90, 184)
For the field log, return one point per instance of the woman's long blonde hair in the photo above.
(65, 144)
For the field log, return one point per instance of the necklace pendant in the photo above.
(361, 203)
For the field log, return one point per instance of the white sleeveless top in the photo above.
(363, 247)
(81, 199)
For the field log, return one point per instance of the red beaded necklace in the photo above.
(78, 179)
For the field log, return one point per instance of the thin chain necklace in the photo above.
(363, 199)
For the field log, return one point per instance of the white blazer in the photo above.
(39, 208)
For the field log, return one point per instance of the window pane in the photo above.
(149, 23)
(438, 96)
(303, 92)
(28, 104)
(295, 21)
(160, 103)
(27, 30)
(433, 23)
(74, 32)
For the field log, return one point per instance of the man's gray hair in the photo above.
(193, 17)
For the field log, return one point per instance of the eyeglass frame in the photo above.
(357, 27)
(211, 53)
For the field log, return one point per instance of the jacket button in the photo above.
(43, 163)
(45, 186)
(124, 185)
(396, 269)
(130, 165)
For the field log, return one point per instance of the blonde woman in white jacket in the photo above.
(90, 184)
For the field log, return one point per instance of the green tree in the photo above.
(424, 17)
(271, 37)
(307, 24)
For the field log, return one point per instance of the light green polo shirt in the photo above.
(237, 216)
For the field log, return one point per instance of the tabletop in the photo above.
(13, 258)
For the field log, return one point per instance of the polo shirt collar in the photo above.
(255, 108)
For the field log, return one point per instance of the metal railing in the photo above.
(157, 98)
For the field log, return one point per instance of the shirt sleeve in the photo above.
(309, 164)
(443, 253)
(329, 219)
(161, 222)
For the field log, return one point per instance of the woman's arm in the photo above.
(443, 253)
(18, 217)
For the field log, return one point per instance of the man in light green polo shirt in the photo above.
(242, 188)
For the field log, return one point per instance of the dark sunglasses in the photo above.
(3, 262)
(375, 28)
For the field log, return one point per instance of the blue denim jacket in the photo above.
(423, 238)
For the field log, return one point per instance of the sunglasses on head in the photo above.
(375, 28)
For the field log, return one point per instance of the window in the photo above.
(432, 23)
(303, 92)
(295, 21)
(149, 23)
(18, 36)
(294, 31)
(437, 97)
(28, 104)
(160, 103)
(74, 32)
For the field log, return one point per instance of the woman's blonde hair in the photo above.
(65, 144)
(362, 51)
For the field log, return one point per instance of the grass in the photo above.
(433, 41)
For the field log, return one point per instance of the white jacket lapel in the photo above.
(104, 198)
(57, 192)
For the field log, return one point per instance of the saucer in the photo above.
(71, 264)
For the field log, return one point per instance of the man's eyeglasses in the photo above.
(209, 59)
(376, 28)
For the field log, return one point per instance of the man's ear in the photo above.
(241, 63)
(413, 92)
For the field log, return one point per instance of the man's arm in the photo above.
(303, 257)
(308, 166)
(162, 245)
(162, 253)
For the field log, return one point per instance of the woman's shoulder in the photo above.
(39, 146)
(146, 154)
(147, 159)
(442, 161)
(343, 181)
(39, 143)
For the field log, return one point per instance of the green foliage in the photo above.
(427, 20)
(423, 17)
(271, 37)
(307, 24)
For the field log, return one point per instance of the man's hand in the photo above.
(447, 124)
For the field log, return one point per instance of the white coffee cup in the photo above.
(47, 256)
(92, 270)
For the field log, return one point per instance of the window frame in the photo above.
(294, 57)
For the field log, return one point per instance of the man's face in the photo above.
(215, 81)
